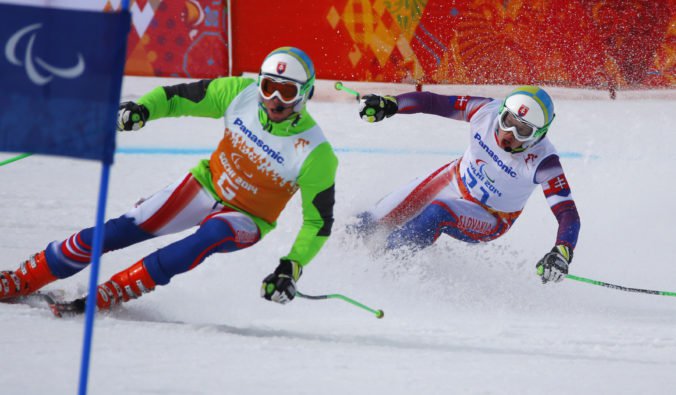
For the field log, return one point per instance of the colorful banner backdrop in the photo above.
(177, 38)
(604, 44)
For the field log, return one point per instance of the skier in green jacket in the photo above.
(271, 148)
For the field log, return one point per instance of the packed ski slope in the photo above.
(458, 318)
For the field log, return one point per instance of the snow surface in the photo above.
(459, 319)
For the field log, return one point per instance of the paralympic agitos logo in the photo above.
(38, 70)
(481, 165)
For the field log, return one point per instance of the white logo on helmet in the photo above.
(527, 109)
(34, 74)
(286, 64)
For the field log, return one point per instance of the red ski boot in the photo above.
(127, 284)
(32, 275)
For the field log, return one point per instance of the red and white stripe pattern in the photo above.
(420, 196)
(76, 250)
(172, 207)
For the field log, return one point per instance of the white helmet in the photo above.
(290, 77)
(530, 106)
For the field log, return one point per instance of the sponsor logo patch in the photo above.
(259, 142)
(300, 144)
(531, 157)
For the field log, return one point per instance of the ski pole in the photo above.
(14, 159)
(378, 313)
(619, 287)
(340, 87)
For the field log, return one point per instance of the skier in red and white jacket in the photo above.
(477, 197)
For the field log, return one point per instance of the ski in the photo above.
(61, 308)
(58, 307)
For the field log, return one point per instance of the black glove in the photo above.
(554, 265)
(131, 116)
(374, 108)
(280, 286)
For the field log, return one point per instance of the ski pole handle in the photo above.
(340, 87)
(619, 287)
(378, 313)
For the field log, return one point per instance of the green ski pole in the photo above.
(340, 87)
(14, 159)
(377, 313)
(619, 287)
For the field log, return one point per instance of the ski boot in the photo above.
(128, 284)
(31, 275)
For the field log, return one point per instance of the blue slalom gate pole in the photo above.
(89, 84)
(90, 305)
(97, 248)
